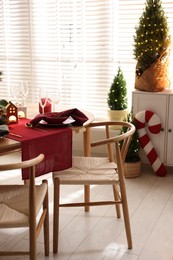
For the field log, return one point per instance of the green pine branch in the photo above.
(117, 96)
(152, 37)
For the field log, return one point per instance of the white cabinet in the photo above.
(160, 103)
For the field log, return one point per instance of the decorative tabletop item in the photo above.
(11, 113)
(44, 102)
(8, 111)
(22, 112)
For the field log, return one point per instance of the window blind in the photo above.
(73, 45)
(14, 44)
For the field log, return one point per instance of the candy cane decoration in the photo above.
(152, 121)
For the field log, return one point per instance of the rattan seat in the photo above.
(89, 170)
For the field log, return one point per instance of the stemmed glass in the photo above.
(16, 93)
(43, 98)
(24, 90)
(54, 98)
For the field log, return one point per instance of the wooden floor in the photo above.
(98, 234)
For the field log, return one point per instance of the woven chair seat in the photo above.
(88, 170)
(14, 204)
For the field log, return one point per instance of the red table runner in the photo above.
(54, 143)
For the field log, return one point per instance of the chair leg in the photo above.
(87, 196)
(33, 249)
(116, 197)
(127, 222)
(46, 222)
(32, 230)
(33, 254)
(56, 215)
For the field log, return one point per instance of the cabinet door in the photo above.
(170, 134)
(158, 104)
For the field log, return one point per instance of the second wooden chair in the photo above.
(98, 171)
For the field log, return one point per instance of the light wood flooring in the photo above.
(98, 234)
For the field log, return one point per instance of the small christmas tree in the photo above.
(132, 153)
(117, 96)
(152, 40)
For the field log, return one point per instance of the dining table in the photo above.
(26, 139)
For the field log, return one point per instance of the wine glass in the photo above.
(24, 90)
(43, 98)
(54, 98)
(16, 93)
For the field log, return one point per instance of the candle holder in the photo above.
(22, 112)
(47, 107)
(11, 113)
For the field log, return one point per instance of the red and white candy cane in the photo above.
(152, 121)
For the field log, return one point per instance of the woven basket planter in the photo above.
(132, 169)
(155, 78)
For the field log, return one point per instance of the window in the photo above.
(74, 45)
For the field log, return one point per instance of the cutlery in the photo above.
(16, 135)
(35, 128)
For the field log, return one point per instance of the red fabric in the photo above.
(54, 143)
(59, 117)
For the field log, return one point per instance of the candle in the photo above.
(47, 108)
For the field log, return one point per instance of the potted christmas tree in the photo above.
(152, 48)
(132, 165)
(117, 98)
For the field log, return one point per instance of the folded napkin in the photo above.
(4, 130)
(77, 118)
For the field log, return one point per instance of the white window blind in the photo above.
(14, 44)
(73, 45)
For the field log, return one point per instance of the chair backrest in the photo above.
(31, 165)
(22, 165)
(119, 142)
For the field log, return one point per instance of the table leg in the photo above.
(26, 182)
(87, 151)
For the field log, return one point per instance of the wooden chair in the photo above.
(98, 171)
(20, 206)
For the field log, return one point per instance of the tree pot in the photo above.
(132, 169)
(117, 115)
